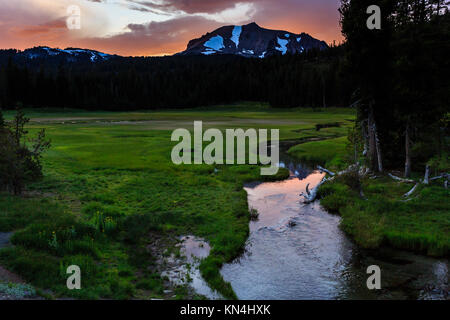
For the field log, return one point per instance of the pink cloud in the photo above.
(22, 26)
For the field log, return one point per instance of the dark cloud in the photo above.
(192, 6)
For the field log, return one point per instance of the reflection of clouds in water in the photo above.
(298, 251)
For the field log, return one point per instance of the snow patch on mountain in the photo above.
(283, 45)
(208, 52)
(51, 52)
(251, 41)
(236, 35)
(215, 43)
(40, 52)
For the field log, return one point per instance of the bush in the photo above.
(19, 163)
(254, 214)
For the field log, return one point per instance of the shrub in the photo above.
(19, 163)
(254, 214)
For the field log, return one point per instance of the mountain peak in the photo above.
(252, 24)
(251, 40)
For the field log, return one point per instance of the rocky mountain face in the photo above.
(251, 41)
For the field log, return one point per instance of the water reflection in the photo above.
(297, 251)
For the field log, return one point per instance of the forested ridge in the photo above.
(313, 79)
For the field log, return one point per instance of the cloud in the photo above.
(154, 38)
(155, 27)
(318, 18)
(49, 27)
(192, 6)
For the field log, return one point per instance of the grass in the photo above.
(330, 153)
(108, 185)
(421, 225)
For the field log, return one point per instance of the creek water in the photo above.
(297, 251)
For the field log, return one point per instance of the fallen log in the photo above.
(442, 176)
(310, 196)
(327, 171)
(410, 192)
(401, 179)
(363, 171)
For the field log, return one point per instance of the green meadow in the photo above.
(420, 223)
(110, 188)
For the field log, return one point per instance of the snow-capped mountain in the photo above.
(251, 41)
(68, 54)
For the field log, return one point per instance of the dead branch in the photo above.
(310, 196)
(327, 171)
(442, 176)
(426, 178)
(401, 179)
(410, 192)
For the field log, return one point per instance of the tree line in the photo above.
(401, 72)
(313, 79)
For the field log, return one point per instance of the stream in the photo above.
(298, 252)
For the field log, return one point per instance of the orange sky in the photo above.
(155, 27)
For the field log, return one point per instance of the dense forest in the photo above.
(403, 85)
(313, 79)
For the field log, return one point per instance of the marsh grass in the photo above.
(111, 186)
(421, 225)
(330, 152)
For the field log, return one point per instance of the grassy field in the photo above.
(330, 153)
(110, 188)
(421, 224)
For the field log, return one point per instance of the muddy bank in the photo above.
(180, 266)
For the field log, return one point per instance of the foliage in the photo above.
(401, 76)
(19, 163)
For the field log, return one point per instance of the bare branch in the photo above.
(401, 179)
(410, 192)
(327, 171)
(311, 196)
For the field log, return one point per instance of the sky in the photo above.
(154, 27)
